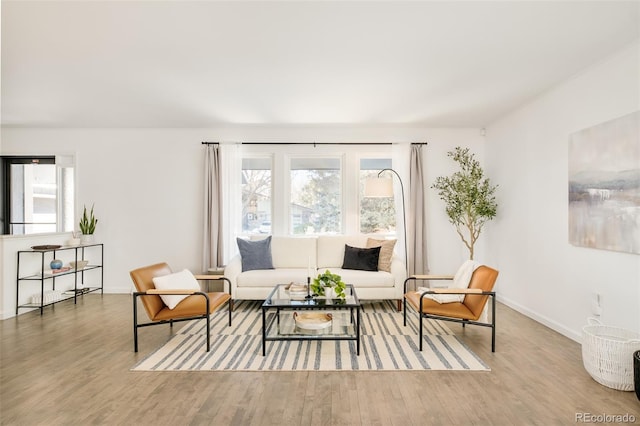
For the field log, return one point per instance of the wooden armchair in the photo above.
(197, 305)
(468, 311)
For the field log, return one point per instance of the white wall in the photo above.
(541, 274)
(147, 186)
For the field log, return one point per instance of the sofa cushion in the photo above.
(365, 278)
(386, 252)
(362, 259)
(255, 254)
(294, 252)
(331, 249)
(272, 277)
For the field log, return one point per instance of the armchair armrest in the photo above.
(431, 277)
(170, 292)
(425, 277)
(207, 277)
(477, 291)
(455, 291)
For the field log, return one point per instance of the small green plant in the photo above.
(328, 279)
(88, 222)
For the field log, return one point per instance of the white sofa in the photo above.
(292, 256)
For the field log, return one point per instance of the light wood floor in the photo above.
(71, 367)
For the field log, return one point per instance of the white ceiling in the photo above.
(212, 63)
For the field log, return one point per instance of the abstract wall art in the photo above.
(604, 185)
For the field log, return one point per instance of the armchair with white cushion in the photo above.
(463, 302)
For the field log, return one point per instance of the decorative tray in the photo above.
(312, 320)
(46, 247)
(296, 291)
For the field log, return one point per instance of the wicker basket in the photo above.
(607, 354)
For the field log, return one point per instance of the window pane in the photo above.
(316, 201)
(256, 195)
(67, 201)
(33, 198)
(377, 215)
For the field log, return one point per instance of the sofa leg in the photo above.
(399, 304)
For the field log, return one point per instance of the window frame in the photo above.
(60, 162)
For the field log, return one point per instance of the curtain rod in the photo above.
(315, 143)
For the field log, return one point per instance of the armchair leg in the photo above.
(135, 324)
(399, 304)
(420, 319)
(208, 333)
(493, 338)
(208, 315)
(405, 311)
(493, 323)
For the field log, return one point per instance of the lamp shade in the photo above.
(378, 188)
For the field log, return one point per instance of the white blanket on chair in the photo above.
(460, 280)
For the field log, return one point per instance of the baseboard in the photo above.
(555, 326)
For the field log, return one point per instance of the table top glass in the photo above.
(280, 297)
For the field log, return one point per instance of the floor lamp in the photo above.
(383, 188)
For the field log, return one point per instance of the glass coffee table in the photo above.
(318, 318)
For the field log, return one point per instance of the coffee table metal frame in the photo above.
(279, 301)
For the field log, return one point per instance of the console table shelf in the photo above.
(79, 288)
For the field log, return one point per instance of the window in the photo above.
(298, 189)
(316, 205)
(37, 195)
(377, 215)
(256, 195)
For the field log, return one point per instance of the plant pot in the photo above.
(87, 238)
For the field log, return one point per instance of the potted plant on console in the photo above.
(87, 225)
(328, 280)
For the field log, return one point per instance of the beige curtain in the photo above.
(212, 255)
(417, 223)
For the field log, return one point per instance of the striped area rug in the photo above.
(385, 345)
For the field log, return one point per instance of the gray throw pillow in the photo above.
(255, 254)
(363, 259)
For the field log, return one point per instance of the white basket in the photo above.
(607, 354)
(47, 297)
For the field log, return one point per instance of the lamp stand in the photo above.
(404, 218)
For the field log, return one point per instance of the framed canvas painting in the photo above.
(604, 185)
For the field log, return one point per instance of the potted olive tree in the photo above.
(468, 196)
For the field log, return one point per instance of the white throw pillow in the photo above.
(183, 280)
(461, 279)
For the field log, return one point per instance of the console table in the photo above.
(70, 253)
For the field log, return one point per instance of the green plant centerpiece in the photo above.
(468, 196)
(328, 280)
(88, 222)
